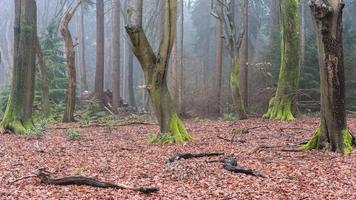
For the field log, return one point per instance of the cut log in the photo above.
(179, 156)
(46, 178)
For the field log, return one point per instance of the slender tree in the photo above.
(280, 106)
(155, 69)
(226, 13)
(82, 63)
(70, 55)
(218, 61)
(244, 56)
(116, 98)
(44, 81)
(18, 114)
(332, 133)
(99, 72)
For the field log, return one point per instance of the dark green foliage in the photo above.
(52, 46)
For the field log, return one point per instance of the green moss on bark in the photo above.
(280, 106)
(314, 142)
(177, 133)
(235, 90)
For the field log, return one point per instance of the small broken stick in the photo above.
(230, 164)
(46, 178)
(179, 156)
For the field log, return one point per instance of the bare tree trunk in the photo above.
(155, 69)
(180, 82)
(129, 65)
(99, 73)
(116, 99)
(18, 114)
(332, 134)
(82, 66)
(70, 55)
(302, 32)
(244, 57)
(218, 64)
(44, 81)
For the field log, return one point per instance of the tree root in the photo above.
(46, 178)
(279, 109)
(179, 156)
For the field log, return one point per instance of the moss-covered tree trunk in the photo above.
(70, 55)
(18, 114)
(332, 134)
(280, 106)
(44, 82)
(155, 69)
(235, 89)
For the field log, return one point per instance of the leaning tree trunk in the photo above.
(280, 106)
(155, 69)
(70, 54)
(44, 81)
(116, 99)
(332, 134)
(18, 114)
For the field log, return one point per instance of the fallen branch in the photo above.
(232, 139)
(46, 178)
(103, 125)
(179, 156)
(22, 178)
(230, 164)
(294, 128)
(263, 147)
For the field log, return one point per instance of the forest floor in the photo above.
(121, 154)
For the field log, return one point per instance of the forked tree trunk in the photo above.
(99, 72)
(70, 55)
(332, 134)
(155, 69)
(116, 99)
(280, 106)
(44, 81)
(18, 114)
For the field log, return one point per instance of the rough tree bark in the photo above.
(332, 134)
(99, 72)
(116, 99)
(244, 56)
(280, 106)
(44, 82)
(181, 61)
(155, 69)
(218, 63)
(70, 55)
(18, 114)
(82, 65)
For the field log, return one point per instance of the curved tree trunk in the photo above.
(332, 134)
(18, 114)
(44, 81)
(70, 54)
(116, 98)
(280, 106)
(155, 69)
